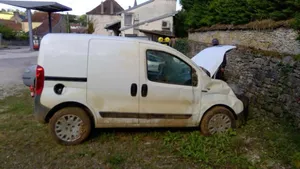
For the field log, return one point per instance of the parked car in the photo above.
(83, 83)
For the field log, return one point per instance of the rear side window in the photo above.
(163, 67)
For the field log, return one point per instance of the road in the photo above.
(13, 62)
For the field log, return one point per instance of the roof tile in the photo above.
(11, 24)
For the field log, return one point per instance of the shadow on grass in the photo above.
(96, 133)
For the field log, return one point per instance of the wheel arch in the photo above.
(218, 105)
(70, 104)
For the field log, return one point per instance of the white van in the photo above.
(89, 81)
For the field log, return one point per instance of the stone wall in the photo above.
(282, 40)
(15, 42)
(61, 26)
(100, 21)
(272, 84)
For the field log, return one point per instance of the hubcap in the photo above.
(219, 123)
(68, 128)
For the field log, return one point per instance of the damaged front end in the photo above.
(217, 92)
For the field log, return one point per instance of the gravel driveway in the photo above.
(13, 62)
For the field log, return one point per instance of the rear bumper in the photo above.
(243, 116)
(40, 111)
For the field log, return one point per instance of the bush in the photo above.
(90, 28)
(22, 35)
(296, 160)
(7, 33)
(182, 46)
(206, 13)
(210, 12)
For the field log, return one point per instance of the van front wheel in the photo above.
(217, 120)
(70, 126)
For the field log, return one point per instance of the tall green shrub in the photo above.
(91, 28)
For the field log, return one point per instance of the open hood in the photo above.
(212, 57)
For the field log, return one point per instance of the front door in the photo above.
(166, 97)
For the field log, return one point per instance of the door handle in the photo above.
(133, 89)
(144, 90)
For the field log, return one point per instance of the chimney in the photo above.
(17, 17)
(16, 13)
(112, 7)
(102, 8)
(135, 3)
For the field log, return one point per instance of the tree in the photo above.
(180, 29)
(210, 12)
(91, 28)
(83, 20)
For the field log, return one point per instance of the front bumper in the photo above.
(243, 116)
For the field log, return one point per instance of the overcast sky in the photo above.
(82, 6)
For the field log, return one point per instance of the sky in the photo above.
(82, 6)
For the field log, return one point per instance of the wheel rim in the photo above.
(219, 123)
(69, 128)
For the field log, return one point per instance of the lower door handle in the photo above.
(144, 90)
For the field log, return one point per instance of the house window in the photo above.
(128, 19)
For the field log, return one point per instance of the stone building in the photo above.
(103, 14)
(148, 20)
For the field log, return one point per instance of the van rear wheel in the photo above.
(217, 120)
(70, 126)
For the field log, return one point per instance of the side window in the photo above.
(163, 67)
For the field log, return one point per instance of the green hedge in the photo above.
(210, 12)
(9, 34)
(205, 13)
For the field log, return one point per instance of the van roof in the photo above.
(60, 37)
(68, 36)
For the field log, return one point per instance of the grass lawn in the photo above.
(263, 143)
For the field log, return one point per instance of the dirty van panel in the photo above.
(64, 57)
(113, 78)
(168, 97)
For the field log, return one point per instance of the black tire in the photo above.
(83, 129)
(204, 125)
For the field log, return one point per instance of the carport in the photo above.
(48, 7)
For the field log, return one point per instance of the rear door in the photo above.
(113, 78)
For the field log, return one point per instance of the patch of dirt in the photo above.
(12, 90)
